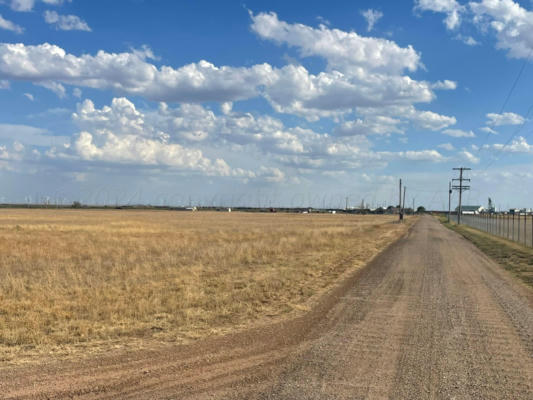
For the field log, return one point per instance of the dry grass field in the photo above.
(73, 280)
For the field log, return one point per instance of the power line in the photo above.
(513, 87)
(510, 138)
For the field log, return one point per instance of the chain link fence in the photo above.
(516, 227)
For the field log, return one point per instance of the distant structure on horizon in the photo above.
(470, 210)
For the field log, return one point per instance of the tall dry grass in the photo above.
(69, 277)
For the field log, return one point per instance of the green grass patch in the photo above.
(514, 257)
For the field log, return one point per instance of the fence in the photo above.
(515, 227)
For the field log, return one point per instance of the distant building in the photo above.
(471, 209)
(520, 211)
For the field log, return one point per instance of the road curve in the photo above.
(430, 318)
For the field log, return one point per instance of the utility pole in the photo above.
(449, 199)
(346, 208)
(413, 205)
(403, 205)
(461, 188)
(400, 203)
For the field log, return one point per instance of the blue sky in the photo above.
(264, 103)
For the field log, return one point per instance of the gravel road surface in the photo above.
(430, 318)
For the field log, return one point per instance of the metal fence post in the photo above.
(513, 227)
(525, 228)
(518, 233)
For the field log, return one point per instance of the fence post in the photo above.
(513, 227)
(525, 229)
(518, 234)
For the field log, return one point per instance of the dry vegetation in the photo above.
(88, 279)
(514, 257)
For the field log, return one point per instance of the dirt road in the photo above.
(430, 318)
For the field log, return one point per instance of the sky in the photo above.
(265, 103)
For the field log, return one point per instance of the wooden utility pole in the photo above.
(449, 199)
(461, 188)
(403, 205)
(400, 203)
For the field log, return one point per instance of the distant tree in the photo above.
(76, 204)
(421, 210)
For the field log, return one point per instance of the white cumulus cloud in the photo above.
(469, 157)
(511, 23)
(488, 129)
(131, 73)
(55, 87)
(66, 22)
(446, 146)
(444, 85)
(468, 40)
(10, 26)
(518, 145)
(459, 133)
(508, 20)
(451, 8)
(344, 51)
(362, 72)
(372, 17)
(27, 5)
(507, 118)
(22, 5)
(120, 134)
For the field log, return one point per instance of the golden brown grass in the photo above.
(71, 278)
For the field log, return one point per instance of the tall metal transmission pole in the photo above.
(461, 187)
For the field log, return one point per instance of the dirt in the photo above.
(431, 317)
